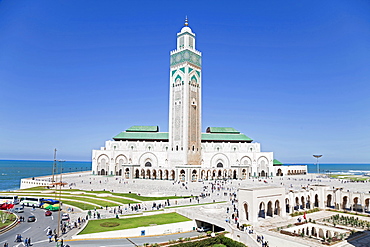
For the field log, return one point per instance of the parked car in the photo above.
(65, 216)
(18, 210)
(31, 218)
(48, 213)
(203, 229)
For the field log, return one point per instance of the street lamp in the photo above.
(317, 156)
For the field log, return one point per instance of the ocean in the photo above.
(11, 171)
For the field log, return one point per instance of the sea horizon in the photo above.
(12, 171)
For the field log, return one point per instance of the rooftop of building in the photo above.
(151, 133)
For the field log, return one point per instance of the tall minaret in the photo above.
(185, 101)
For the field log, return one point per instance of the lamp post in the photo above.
(317, 156)
(60, 195)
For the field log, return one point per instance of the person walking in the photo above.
(26, 242)
(29, 242)
(6, 244)
(50, 238)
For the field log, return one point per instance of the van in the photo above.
(18, 210)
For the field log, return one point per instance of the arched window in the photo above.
(220, 164)
(148, 164)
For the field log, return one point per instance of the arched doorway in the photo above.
(244, 174)
(316, 203)
(142, 173)
(127, 173)
(344, 202)
(137, 173)
(269, 209)
(166, 174)
(246, 211)
(279, 172)
(102, 172)
(172, 175)
(287, 208)
(194, 176)
(119, 172)
(148, 174)
(234, 175)
(302, 202)
(160, 174)
(356, 205)
(261, 212)
(296, 207)
(182, 176)
(263, 173)
(308, 202)
(154, 174)
(321, 233)
(277, 208)
(328, 200)
(367, 202)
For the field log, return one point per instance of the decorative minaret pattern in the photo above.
(185, 101)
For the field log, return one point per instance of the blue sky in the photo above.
(292, 75)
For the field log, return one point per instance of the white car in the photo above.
(18, 210)
(65, 216)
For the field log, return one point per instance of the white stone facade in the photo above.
(266, 201)
(238, 160)
(184, 153)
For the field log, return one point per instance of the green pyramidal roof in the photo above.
(277, 163)
(141, 136)
(223, 130)
(138, 128)
(150, 133)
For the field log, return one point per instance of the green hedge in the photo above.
(220, 239)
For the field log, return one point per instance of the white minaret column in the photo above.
(185, 101)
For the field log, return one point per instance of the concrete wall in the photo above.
(149, 230)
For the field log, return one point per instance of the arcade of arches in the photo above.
(147, 172)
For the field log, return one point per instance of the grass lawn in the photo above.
(146, 198)
(81, 205)
(193, 205)
(120, 224)
(11, 218)
(92, 200)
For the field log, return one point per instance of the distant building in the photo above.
(185, 153)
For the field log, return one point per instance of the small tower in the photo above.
(185, 100)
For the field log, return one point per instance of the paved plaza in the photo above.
(215, 191)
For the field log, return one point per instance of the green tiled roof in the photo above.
(277, 163)
(225, 137)
(150, 133)
(228, 130)
(159, 136)
(138, 128)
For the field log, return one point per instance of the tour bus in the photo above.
(31, 201)
(10, 199)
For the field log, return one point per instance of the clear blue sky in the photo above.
(292, 75)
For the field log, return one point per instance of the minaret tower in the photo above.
(185, 101)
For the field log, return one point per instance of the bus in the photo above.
(31, 201)
(9, 199)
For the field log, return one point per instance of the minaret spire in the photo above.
(186, 21)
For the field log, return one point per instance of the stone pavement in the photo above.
(215, 190)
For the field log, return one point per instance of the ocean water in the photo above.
(350, 169)
(11, 171)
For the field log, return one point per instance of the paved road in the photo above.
(34, 230)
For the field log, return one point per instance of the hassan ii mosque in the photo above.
(184, 153)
